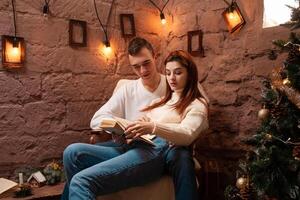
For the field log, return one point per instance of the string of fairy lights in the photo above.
(13, 47)
(161, 11)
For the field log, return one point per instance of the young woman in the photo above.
(176, 120)
(179, 118)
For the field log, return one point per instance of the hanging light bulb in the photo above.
(15, 51)
(46, 8)
(161, 10)
(107, 50)
(162, 18)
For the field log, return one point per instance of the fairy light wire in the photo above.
(161, 10)
(104, 27)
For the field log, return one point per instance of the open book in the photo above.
(117, 126)
(6, 185)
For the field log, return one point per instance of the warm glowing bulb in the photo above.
(163, 18)
(233, 18)
(231, 15)
(13, 53)
(107, 50)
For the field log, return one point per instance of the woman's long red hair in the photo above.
(190, 91)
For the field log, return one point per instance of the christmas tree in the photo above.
(272, 166)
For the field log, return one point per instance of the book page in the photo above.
(114, 125)
(107, 122)
(6, 184)
(122, 122)
(144, 138)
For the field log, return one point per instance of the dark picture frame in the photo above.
(200, 50)
(72, 31)
(125, 32)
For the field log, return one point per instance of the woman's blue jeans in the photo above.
(180, 165)
(93, 170)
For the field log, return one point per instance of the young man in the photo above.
(126, 103)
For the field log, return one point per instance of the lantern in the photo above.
(13, 51)
(233, 17)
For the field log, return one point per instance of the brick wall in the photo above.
(48, 104)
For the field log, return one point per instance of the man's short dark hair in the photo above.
(136, 44)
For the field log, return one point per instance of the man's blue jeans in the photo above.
(93, 170)
(177, 161)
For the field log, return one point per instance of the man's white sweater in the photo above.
(128, 101)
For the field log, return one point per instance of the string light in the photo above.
(46, 10)
(107, 51)
(162, 18)
(107, 48)
(162, 15)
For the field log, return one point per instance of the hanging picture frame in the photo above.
(77, 33)
(198, 50)
(127, 25)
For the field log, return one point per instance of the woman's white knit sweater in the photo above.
(180, 129)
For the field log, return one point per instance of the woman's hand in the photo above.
(138, 128)
(144, 119)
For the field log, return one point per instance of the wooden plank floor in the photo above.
(43, 193)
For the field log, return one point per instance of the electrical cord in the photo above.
(161, 10)
(227, 2)
(15, 26)
(101, 24)
(165, 5)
